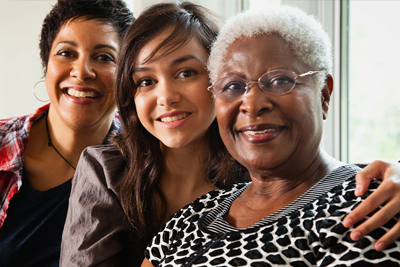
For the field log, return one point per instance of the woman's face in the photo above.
(80, 72)
(265, 132)
(172, 100)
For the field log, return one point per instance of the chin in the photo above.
(261, 163)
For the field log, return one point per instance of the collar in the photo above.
(15, 132)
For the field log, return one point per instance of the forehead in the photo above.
(256, 55)
(88, 31)
(192, 47)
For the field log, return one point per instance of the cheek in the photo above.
(298, 106)
(144, 103)
(206, 102)
(226, 117)
(226, 114)
(140, 107)
(108, 78)
(54, 73)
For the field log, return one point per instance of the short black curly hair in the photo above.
(112, 12)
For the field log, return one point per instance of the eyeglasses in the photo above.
(275, 82)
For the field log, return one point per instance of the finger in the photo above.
(362, 183)
(371, 203)
(378, 219)
(380, 196)
(391, 236)
(363, 178)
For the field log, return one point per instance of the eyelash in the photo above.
(109, 57)
(63, 52)
(152, 82)
(192, 72)
(138, 84)
(102, 57)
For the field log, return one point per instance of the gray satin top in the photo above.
(96, 232)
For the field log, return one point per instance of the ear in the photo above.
(326, 95)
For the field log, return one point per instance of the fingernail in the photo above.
(379, 246)
(355, 236)
(347, 223)
(358, 188)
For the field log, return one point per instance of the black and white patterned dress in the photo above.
(307, 232)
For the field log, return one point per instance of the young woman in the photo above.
(169, 152)
(79, 44)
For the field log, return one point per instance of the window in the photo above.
(363, 122)
(373, 80)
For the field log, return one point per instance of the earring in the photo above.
(34, 93)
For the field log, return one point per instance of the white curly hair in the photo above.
(304, 34)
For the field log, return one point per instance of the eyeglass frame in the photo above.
(247, 87)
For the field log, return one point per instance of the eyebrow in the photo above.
(96, 47)
(186, 58)
(174, 62)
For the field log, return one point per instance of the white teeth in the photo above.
(259, 132)
(81, 94)
(175, 118)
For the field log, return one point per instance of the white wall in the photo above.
(20, 67)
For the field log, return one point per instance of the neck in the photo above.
(71, 142)
(184, 177)
(284, 190)
(184, 167)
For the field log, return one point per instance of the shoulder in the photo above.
(215, 197)
(13, 139)
(101, 164)
(12, 125)
(19, 127)
(103, 155)
(204, 204)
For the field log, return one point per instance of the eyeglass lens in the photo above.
(277, 82)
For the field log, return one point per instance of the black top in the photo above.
(31, 235)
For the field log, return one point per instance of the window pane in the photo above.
(374, 72)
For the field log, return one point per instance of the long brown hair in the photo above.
(141, 149)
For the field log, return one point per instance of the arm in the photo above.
(146, 263)
(334, 238)
(95, 231)
(388, 192)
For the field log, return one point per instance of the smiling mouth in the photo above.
(175, 118)
(82, 94)
(261, 132)
(258, 133)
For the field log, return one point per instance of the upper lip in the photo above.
(172, 114)
(82, 89)
(260, 127)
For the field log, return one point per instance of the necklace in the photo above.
(50, 143)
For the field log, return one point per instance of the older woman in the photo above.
(39, 152)
(272, 84)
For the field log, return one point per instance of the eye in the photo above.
(234, 86)
(187, 73)
(280, 81)
(145, 83)
(65, 53)
(106, 57)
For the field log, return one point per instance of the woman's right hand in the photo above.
(386, 195)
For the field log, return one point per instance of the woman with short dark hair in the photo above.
(39, 152)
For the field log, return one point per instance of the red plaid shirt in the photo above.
(14, 133)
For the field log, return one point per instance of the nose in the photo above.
(167, 93)
(255, 102)
(83, 69)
